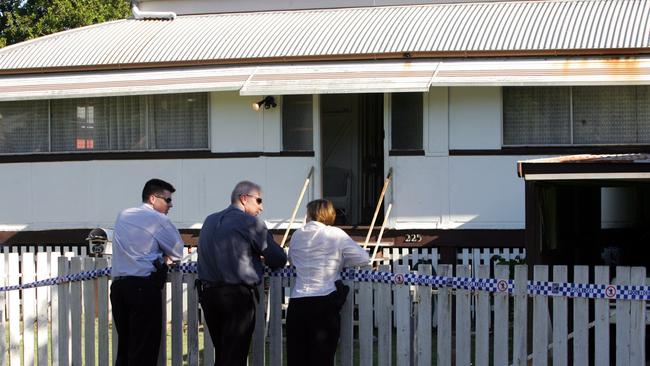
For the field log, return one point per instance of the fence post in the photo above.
(560, 321)
(28, 272)
(365, 324)
(63, 296)
(463, 320)
(501, 317)
(192, 317)
(540, 320)
(275, 322)
(76, 310)
(384, 315)
(424, 320)
(165, 295)
(402, 314)
(347, 313)
(623, 320)
(42, 308)
(208, 346)
(637, 319)
(482, 318)
(54, 307)
(177, 318)
(580, 319)
(257, 356)
(102, 315)
(520, 326)
(601, 314)
(89, 313)
(444, 319)
(3, 313)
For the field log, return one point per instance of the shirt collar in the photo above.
(147, 205)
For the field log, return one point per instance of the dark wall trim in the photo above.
(406, 153)
(290, 153)
(458, 238)
(557, 150)
(144, 155)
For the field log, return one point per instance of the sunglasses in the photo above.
(257, 199)
(168, 199)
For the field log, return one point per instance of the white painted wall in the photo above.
(90, 194)
(235, 127)
(431, 191)
(475, 115)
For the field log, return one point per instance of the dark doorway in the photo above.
(352, 143)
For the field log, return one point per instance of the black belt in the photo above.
(210, 284)
(120, 278)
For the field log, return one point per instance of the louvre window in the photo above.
(579, 115)
(297, 123)
(126, 123)
(406, 121)
(179, 122)
(536, 116)
(24, 127)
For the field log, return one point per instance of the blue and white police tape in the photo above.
(602, 291)
(588, 290)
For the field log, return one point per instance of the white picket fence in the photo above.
(78, 317)
(466, 256)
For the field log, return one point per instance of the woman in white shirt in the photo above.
(319, 252)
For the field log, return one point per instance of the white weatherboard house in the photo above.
(448, 95)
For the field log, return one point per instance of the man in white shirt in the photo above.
(144, 237)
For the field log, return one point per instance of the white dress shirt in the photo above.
(141, 236)
(319, 252)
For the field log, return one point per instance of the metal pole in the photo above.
(381, 232)
(381, 199)
(295, 209)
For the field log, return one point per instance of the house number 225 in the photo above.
(412, 238)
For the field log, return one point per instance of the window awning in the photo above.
(531, 72)
(339, 77)
(126, 82)
(586, 167)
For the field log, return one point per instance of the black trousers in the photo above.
(313, 329)
(230, 315)
(137, 316)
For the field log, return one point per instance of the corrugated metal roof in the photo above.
(522, 27)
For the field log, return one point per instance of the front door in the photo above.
(352, 154)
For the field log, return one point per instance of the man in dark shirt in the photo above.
(232, 243)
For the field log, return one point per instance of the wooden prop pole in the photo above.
(381, 199)
(295, 209)
(381, 232)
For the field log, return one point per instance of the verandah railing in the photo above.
(70, 323)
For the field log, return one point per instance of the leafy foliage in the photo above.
(21, 20)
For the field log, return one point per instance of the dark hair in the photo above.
(154, 186)
(321, 211)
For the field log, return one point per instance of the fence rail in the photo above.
(77, 315)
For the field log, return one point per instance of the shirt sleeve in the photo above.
(274, 255)
(169, 240)
(353, 254)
